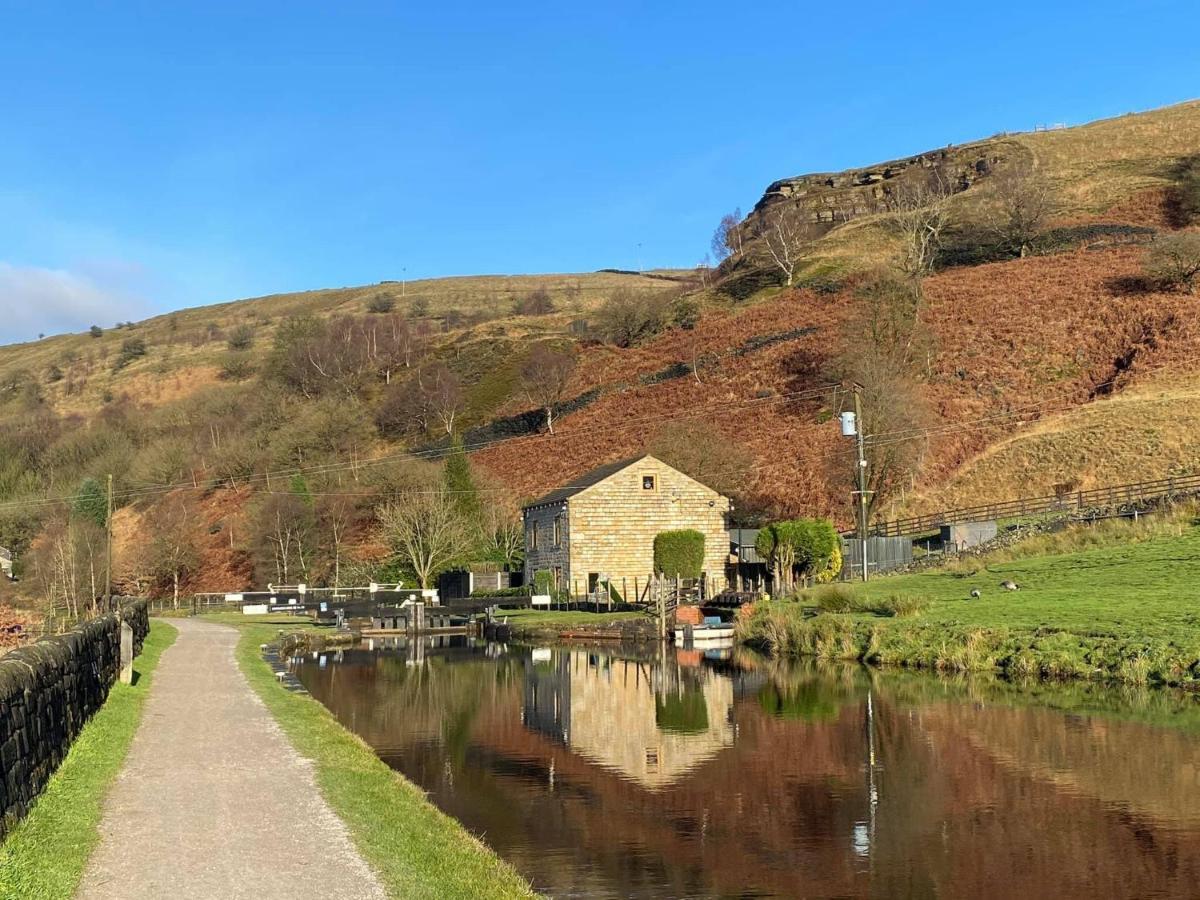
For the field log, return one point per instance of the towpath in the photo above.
(213, 802)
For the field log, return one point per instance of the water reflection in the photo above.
(656, 773)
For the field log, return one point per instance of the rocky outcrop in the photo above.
(835, 197)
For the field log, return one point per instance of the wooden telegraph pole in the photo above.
(108, 548)
(862, 479)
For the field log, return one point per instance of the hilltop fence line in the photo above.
(1128, 495)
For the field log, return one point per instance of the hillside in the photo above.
(1061, 364)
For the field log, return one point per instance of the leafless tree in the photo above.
(172, 550)
(885, 344)
(1175, 260)
(426, 532)
(727, 240)
(545, 377)
(1024, 202)
(921, 215)
(442, 395)
(336, 514)
(785, 239)
(285, 532)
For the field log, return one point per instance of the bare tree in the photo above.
(885, 342)
(545, 377)
(1024, 202)
(785, 238)
(442, 395)
(426, 532)
(172, 550)
(336, 514)
(920, 215)
(285, 533)
(727, 241)
(1175, 260)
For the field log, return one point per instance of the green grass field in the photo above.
(416, 850)
(549, 618)
(1127, 612)
(45, 854)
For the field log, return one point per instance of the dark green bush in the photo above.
(679, 553)
(131, 349)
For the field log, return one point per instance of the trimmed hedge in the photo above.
(679, 553)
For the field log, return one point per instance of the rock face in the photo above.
(832, 198)
(48, 691)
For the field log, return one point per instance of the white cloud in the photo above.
(37, 301)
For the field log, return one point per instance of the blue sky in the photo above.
(161, 155)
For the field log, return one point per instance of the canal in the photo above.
(605, 772)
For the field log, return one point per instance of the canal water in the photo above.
(605, 772)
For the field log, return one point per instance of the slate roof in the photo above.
(585, 481)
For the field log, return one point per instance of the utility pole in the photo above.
(862, 479)
(108, 549)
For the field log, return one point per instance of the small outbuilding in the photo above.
(602, 525)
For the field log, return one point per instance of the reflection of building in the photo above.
(614, 717)
(547, 708)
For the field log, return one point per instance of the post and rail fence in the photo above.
(1072, 501)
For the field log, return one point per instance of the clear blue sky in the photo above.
(159, 155)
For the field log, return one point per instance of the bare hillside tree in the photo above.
(172, 551)
(1175, 260)
(442, 393)
(885, 343)
(727, 239)
(545, 377)
(785, 238)
(1024, 202)
(920, 215)
(426, 532)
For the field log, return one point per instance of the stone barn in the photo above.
(604, 522)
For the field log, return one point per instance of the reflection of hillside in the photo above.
(986, 824)
(765, 791)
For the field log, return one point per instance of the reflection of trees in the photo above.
(979, 792)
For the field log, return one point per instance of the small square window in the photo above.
(647, 482)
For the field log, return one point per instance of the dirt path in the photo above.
(213, 802)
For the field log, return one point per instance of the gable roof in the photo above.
(585, 481)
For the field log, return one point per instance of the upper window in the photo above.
(533, 530)
(558, 531)
(648, 483)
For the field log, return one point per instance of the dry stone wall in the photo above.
(48, 691)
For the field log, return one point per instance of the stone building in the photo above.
(604, 524)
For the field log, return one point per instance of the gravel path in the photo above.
(213, 802)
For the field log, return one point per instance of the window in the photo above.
(532, 536)
(558, 531)
(648, 483)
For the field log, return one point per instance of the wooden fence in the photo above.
(1075, 501)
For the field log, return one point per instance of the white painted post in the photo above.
(126, 654)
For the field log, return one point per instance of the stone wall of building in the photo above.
(612, 524)
(548, 554)
(48, 691)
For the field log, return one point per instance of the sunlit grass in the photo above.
(45, 854)
(1124, 612)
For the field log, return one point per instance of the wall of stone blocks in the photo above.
(48, 691)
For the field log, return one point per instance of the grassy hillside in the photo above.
(1065, 365)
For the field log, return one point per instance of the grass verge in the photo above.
(44, 856)
(1124, 613)
(416, 850)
